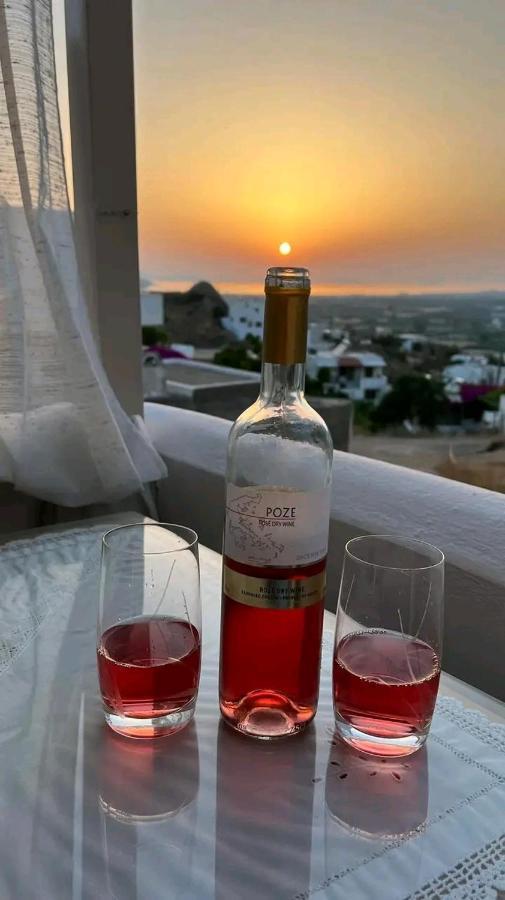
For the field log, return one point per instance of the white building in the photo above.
(360, 376)
(245, 316)
(413, 343)
(466, 369)
(151, 308)
(324, 336)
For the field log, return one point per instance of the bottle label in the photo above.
(269, 527)
(273, 593)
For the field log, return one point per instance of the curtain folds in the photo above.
(63, 435)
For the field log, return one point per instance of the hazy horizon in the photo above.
(318, 289)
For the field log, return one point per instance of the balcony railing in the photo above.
(368, 496)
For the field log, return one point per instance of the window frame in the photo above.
(102, 127)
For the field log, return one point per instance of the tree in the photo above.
(154, 334)
(253, 343)
(323, 376)
(413, 397)
(388, 341)
(312, 386)
(491, 400)
(363, 411)
(238, 356)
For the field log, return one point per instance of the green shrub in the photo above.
(154, 334)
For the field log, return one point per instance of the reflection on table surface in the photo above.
(371, 802)
(376, 796)
(264, 808)
(87, 814)
(147, 796)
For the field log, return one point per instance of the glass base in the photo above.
(266, 715)
(379, 746)
(159, 726)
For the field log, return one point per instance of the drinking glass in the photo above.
(388, 643)
(149, 628)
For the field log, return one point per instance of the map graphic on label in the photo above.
(273, 527)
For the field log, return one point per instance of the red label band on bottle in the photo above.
(274, 593)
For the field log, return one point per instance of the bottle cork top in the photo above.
(286, 277)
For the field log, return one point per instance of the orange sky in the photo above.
(368, 133)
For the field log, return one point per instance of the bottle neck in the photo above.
(282, 383)
(284, 345)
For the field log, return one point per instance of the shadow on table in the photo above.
(264, 808)
(371, 803)
(376, 796)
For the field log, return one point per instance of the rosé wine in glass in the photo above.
(385, 684)
(388, 642)
(149, 667)
(149, 629)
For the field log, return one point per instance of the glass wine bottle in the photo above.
(276, 532)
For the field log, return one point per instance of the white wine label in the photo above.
(269, 527)
(274, 593)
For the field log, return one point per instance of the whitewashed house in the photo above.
(360, 376)
(151, 308)
(245, 316)
(413, 343)
(468, 369)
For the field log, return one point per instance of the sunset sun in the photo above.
(284, 248)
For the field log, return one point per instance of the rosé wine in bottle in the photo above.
(276, 533)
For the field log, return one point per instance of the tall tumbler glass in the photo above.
(388, 643)
(149, 628)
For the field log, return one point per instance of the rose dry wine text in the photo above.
(276, 533)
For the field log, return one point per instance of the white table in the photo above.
(205, 815)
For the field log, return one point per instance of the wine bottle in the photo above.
(276, 532)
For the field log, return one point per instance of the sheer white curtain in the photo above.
(63, 435)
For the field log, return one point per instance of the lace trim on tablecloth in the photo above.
(480, 875)
(32, 588)
(59, 539)
(473, 721)
(491, 866)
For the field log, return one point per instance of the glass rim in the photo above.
(416, 541)
(189, 544)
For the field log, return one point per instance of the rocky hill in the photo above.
(194, 316)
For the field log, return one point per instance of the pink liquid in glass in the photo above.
(149, 667)
(385, 684)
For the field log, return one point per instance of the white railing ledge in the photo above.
(467, 523)
(368, 497)
(196, 438)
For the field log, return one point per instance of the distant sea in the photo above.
(334, 291)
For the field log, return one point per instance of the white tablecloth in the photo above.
(209, 814)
